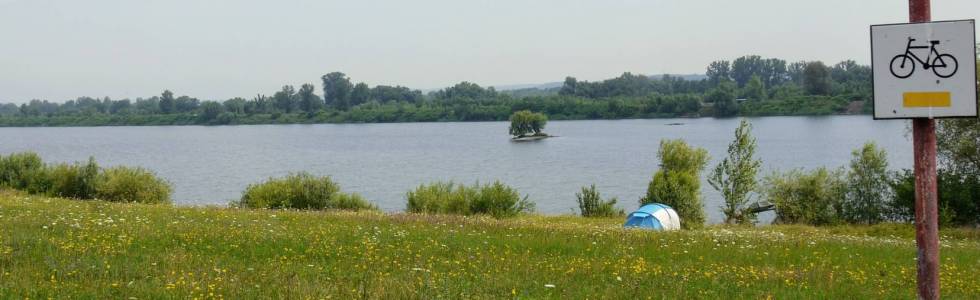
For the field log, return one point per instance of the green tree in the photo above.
(868, 187)
(336, 90)
(755, 89)
(719, 71)
(735, 176)
(678, 182)
(167, 103)
(308, 101)
(743, 68)
(210, 110)
(816, 78)
(285, 99)
(360, 95)
(723, 98)
(524, 122)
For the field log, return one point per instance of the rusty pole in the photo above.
(926, 199)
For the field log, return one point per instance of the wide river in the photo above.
(212, 165)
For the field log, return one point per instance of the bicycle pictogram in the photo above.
(943, 65)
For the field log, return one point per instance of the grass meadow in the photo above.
(57, 248)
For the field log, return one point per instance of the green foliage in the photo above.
(136, 185)
(754, 90)
(21, 171)
(959, 198)
(795, 89)
(723, 98)
(210, 111)
(958, 145)
(524, 122)
(816, 78)
(868, 189)
(73, 180)
(441, 197)
(591, 204)
(497, 200)
(806, 197)
(678, 182)
(300, 191)
(26, 171)
(336, 90)
(735, 176)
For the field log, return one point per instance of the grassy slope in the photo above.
(57, 248)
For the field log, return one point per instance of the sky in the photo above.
(218, 49)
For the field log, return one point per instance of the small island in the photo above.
(527, 126)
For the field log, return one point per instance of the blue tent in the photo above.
(654, 216)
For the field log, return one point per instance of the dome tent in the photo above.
(654, 216)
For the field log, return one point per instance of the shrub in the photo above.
(499, 200)
(73, 180)
(441, 197)
(867, 186)
(21, 171)
(495, 199)
(678, 182)
(806, 197)
(590, 204)
(124, 184)
(300, 191)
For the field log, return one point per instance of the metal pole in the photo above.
(926, 198)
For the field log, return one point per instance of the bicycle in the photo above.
(939, 64)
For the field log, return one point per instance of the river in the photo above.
(213, 165)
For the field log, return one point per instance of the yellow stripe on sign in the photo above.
(927, 99)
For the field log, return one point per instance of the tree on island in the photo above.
(524, 122)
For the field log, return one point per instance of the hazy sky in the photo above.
(218, 49)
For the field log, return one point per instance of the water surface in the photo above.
(212, 165)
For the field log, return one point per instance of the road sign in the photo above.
(924, 70)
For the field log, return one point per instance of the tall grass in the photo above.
(21, 171)
(73, 180)
(124, 184)
(496, 199)
(301, 191)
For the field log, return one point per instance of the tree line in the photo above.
(749, 85)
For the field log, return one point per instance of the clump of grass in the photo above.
(496, 199)
(125, 184)
(301, 191)
(590, 204)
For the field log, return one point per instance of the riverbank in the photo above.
(90, 249)
(555, 109)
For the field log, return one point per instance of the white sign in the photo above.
(924, 70)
